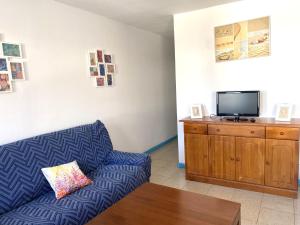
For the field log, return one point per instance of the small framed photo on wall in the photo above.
(17, 70)
(94, 71)
(5, 83)
(11, 50)
(110, 68)
(102, 69)
(3, 64)
(284, 112)
(93, 58)
(107, 58)
(100, 81)
(100, 56)
(196, 111)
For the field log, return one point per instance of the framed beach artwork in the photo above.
(94, 71)
(110, 68)
(107, 58)
(284, 112)
(100, 56)
(3, 64)
(17, 70)
(109, 79)
(102, 69)
(5, 83)
(245, 39)
(93, 59)
(11, 50)
(100, 81)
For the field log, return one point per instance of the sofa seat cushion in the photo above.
(110, 184)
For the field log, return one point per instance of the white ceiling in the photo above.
(151, 15)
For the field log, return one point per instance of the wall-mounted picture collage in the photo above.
(11, 65)
(102, 68)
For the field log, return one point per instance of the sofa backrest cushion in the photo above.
(21, 178)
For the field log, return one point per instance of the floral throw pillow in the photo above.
(66, 178)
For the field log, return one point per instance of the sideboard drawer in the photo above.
(287, 133)
(239, 131)
(195, 128)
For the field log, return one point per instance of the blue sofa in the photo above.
(26, 198)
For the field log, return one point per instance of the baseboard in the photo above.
(156, 147)
(180, 165)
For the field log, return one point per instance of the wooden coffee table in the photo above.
(153, 204)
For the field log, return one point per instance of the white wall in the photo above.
(140, 111)
(198, 76)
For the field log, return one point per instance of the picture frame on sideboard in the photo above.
(284, 112)
(196, 111)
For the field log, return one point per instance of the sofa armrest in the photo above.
(127, 158)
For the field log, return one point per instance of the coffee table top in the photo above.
(153, 204)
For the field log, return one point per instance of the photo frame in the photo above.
(196, 111)
(3, 64)
(100, 81)
(5, 83)
(17, 70)
(93, 58)
(107, 58)
(100, 56)
(11, 50)
(110, 68)
(102, 69)
(284, 112)
(109, 80)
(94, 71)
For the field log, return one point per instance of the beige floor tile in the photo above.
(278, 203)
(197, 187)
(274, 217)
(221, 192)
(250, 210)
(176, 181)
(244, 195)
(297, 206)
(156, 179)
(297, 219)
(248, 222)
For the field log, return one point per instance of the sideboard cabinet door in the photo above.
(281, 169)
(196, 154)
(250, 160)
(222, 157)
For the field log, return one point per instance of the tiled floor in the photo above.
(257, 208)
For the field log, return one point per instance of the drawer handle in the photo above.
(232, 159)
(267, 163)
(218, 130)
(252, 132)
(281, 133)
(237, 159)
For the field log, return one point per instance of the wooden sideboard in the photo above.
(259, 156)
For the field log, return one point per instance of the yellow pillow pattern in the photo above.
(66, 178)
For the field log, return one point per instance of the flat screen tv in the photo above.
(238, 103)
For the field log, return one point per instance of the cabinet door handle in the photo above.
(218, 130)
(232, 159)
(205, 156)
(267, 163)
(252, 132)
(281, 133)
(237, 159)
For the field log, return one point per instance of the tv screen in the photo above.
(238, 103)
